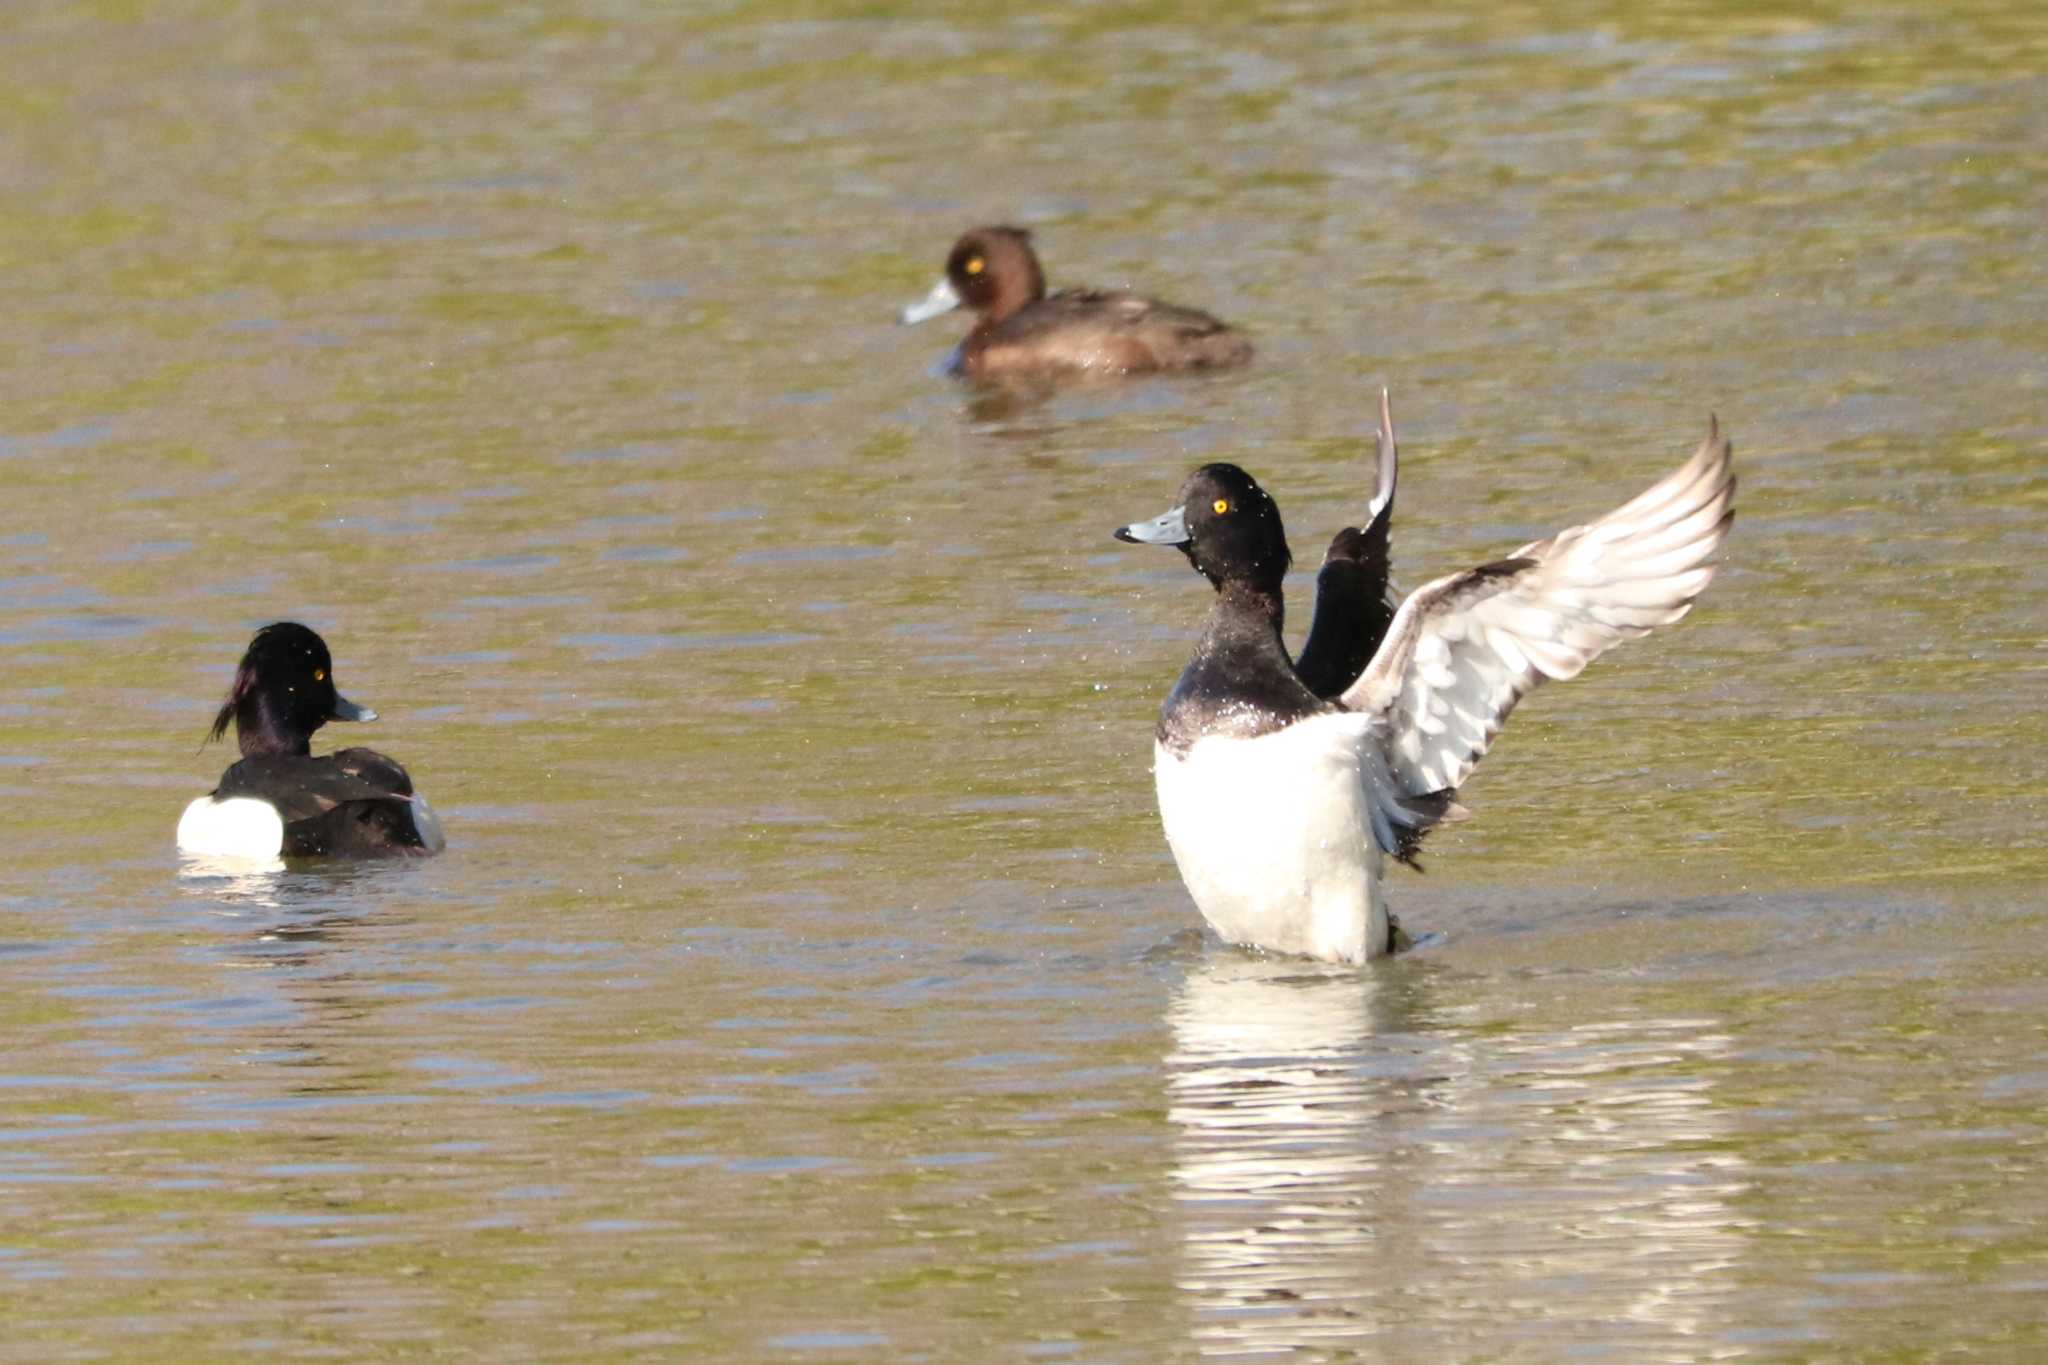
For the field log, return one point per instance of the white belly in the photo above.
(239, 827)
(1273, 841)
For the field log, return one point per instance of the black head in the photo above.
(992, 271)
(283, 692)
(1228, 527)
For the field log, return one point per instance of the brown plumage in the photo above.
(1022, 331)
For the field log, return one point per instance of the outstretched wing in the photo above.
(1464, 649)
(1354, 601)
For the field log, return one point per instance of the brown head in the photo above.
(992, 271)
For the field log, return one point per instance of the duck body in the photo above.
(1099, 332)
(1263, 785)
(354, 803)
(1283, 787)
(281, 801)
(1023, 332)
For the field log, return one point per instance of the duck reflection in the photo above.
(296, 982)
(1279, 1083)
(1351, 1163)
(237, 882)
(272, 902)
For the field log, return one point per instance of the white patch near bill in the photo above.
(1273, 838)
(239, 827)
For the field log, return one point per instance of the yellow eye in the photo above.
(1221, 505)
(319, 675)
(975, 265)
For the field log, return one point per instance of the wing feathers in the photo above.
(1462, 650)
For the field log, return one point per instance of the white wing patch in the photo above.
(1464, 649)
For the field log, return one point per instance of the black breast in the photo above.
(1240, 693)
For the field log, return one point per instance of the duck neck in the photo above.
(1240, 681)
(1014, 293)
(262, 730)
(1246, 620)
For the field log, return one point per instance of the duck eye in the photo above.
(319, 675)
(975, 265)
(1221, 505)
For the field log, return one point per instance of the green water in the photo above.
(807, 977)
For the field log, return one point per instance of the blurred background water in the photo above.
(807, 977)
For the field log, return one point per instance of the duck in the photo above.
(1282, 792)
(278, 800)
(1021, 332)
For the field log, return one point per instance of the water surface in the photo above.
(807, 977)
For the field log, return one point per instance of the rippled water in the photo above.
(807, 976)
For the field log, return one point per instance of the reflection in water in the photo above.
(1346, 1165)
(294, 983)
(1284, 1171)
(237, 881)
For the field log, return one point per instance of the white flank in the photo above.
(1273, 838)
(239, 827)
